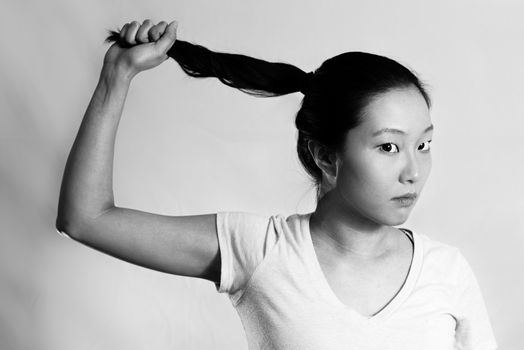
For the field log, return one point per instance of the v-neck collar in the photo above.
(398, 299)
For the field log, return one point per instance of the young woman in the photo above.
(341, 277)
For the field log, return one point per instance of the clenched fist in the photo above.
(141, 46)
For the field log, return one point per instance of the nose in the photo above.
(410, 170)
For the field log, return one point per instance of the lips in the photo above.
(407, 196)
(406, 200)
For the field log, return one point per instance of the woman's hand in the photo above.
(141, 46)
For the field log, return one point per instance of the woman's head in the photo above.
(385, 156)
(337, 97)
(347, 99)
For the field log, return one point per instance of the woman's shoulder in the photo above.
(433, 242)
(436, 250)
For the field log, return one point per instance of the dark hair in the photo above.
(335, 94)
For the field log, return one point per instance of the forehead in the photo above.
(403, 109)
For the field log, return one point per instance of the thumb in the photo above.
(168, 38)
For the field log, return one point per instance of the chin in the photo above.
(399, 222)
(386, 215)
(394, 219)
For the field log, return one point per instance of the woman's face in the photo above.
(386, 156)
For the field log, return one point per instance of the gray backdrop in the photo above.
(188, 146)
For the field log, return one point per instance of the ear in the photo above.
(325, 158)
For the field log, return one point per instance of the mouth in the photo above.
(410, 195)
(406, 200)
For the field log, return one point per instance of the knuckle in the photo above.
(142, 38)
(129, 37)
(145, 26)
(141, 31)
(123, 31)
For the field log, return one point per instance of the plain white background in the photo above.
(189, 146)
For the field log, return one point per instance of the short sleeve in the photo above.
(244, 240)
(473, 330)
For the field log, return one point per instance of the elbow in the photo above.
(66, 227)
(69, 225)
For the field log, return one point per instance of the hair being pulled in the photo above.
(250, 75)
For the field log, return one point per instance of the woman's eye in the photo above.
(425, 147)
(389, 147)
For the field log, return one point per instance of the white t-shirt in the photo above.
(273, 278)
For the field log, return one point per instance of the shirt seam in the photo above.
(247, 286)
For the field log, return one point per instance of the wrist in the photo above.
(117, 73)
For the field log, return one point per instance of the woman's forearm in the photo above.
(87, 183)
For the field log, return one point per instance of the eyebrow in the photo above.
(397, 131)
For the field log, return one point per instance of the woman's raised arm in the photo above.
(87, 184)
(86, 210)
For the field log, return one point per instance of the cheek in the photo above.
(366, 178)
(425, 169)
(429, 164)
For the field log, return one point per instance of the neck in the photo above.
(349, 234)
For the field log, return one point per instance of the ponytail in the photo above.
(250, 75)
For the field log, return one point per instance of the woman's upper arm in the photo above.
(180, 245)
